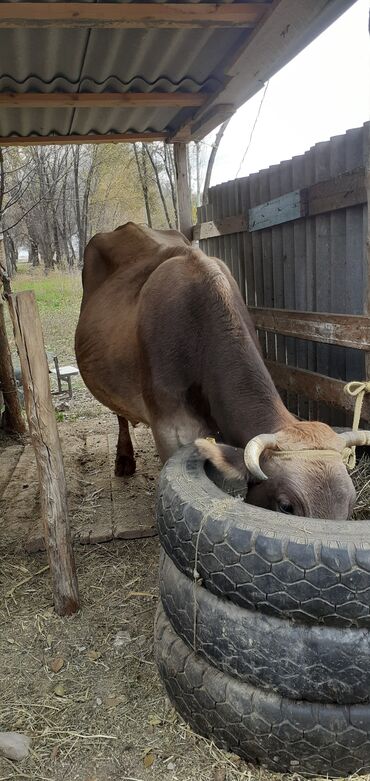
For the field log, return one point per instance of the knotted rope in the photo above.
(357, 390)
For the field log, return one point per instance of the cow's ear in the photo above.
(229, 461)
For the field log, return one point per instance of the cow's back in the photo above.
(132, 251)
(116, 267)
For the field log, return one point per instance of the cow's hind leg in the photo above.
(125, 461)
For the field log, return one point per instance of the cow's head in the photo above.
(300, 470)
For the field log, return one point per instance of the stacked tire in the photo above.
(262, 634)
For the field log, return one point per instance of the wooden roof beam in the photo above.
(102, 100)
(110, 138)
(131, 15)
(286, 27)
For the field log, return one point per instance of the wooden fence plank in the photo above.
(220, 227)
(339, 192)
(268, 283)
(321, 165)
(300, 291)
(310, 275)
(287, 207)
(326, 390)
(289, 275)
(277, 267)
(246, 238)
(241, 243)
(344, 330)
(257, 258)
(337, 357)
(356, 265)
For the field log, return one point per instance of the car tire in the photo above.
(314, 663)
(283, 734)
(310, 570)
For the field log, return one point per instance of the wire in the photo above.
(253, 129)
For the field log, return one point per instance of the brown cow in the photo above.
(164, 337)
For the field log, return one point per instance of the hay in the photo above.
(361, 480)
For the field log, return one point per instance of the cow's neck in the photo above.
(242, 397)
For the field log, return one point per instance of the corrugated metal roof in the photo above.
(67, 60)
(131, 60)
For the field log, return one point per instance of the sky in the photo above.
(322, 92)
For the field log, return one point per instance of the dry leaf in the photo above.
(93, 655)
(56, 664)
(149, 759)
(59, 690)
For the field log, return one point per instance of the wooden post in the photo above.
(45, 439)
(13, 420)
(185, 219)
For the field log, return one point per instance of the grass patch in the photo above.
(55, 292)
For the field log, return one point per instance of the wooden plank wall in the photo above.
(316, 263)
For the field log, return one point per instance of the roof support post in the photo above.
(12, 420)
(185, 220)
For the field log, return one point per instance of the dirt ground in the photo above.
(86, 689)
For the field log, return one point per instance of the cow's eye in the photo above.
(285, 507)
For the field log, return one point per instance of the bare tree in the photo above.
(142, 171)
(155, 167)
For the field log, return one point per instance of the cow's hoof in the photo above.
(124, 466)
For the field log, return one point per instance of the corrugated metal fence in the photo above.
(315, 263)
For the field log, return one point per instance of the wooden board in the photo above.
(220, 227)
(344, 330)
(130, 15)
(183, 190)
(102, 507)
(340, 192)
(101, 99)
(91, 138)
(315, 386)
(285, 208)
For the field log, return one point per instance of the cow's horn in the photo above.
(355, 438)
(254, 450)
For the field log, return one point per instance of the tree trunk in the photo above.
(211, 161)
(10, 254)
(12, 420)
(158, 181)
(34, 253)
(143, 180)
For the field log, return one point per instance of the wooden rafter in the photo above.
(131, 15)
(284, 29)
(110, 138)
(101, 100)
